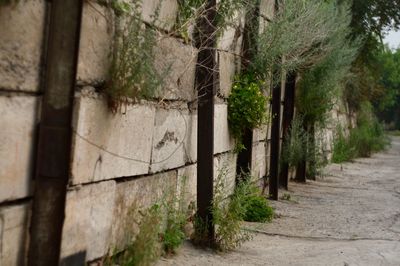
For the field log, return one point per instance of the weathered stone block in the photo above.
(231, 39)
(191, 144)
(21, 42)
(177, 62)
(229, 66)
(88, 220)
(263, 25)
(187, 184)
(14, 224)
(18, 119)
(167, 12)
(325, 140)
(260, 134)
(258, 164)
(225, 169)
(133, 196)
(267, 8)
(108, 145)
(223, 141)
(171, 135)
(97, 33)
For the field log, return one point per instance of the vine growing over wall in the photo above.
(190, 10)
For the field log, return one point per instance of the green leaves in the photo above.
(295, 149)
(246, 107)
(258, 210)
(133, 72)
(367, 137)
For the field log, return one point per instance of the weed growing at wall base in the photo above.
(159, 231)
(146, 247)
(342, 151)
(229, 211)
(367, 137)
(295, 149)
(258, 210)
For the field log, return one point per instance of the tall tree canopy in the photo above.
(371, 19)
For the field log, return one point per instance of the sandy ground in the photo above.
(350, 216)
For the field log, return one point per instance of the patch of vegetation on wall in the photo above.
(133, 72)
(246, 107)
(189, 11)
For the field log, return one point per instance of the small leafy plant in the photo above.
(146, 247)
(342, 152)
(160, 232)
(173, 235)
(258, 210)
(228, 213)
(246, 107)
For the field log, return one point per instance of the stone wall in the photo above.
(119, 160)
(339, 117)
(21, 53)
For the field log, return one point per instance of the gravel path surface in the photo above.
(350, 216)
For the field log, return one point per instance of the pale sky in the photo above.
(393, 39)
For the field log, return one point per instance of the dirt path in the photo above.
(351, 216)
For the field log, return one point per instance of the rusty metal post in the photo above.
(53, 159)
(312, 161)
(301, 169)
(288, 113)
(249, 51)
(275, 138)
(205, 80)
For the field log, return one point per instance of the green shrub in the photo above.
(366, 138)
(228, 214)
(258, 210)
(341, 148)
(295, 149)
(174, 234)
(161, 231)
(229, 211)
(246, 107)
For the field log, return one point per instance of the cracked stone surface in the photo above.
(349, 216)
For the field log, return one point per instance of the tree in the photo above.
(387, 105)
(370, 21)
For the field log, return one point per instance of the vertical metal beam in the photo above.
(244, 158)
(275, 137)
(288, 113)
(312, 161)
(301, 169)
(53, 161)
(205, 84)
(249, 51)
